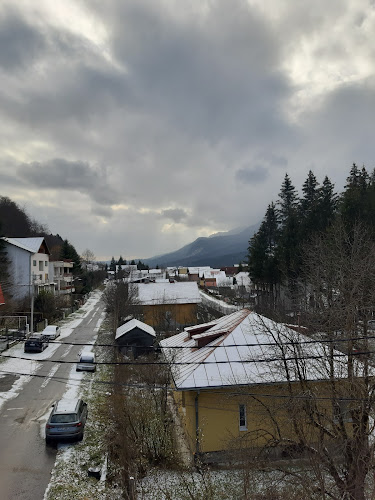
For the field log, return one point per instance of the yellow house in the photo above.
(168, 305)
(240, 381)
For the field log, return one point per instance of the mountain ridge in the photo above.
(216, 250)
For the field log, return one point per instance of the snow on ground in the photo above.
(217, 304)
(26, 364)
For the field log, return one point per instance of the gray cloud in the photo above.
(59, 173)
(175, 214)
(252, 175)
(20, 43)
(192, 105)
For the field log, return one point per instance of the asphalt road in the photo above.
(25, 460)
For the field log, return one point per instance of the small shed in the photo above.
(135, 338)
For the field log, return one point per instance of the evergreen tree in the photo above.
(308, 207)
(288, 201)
(263, 254)
(121, 261)
(356, 203)
(289, 241)
(69, 252)
(327, 205)
(112, 265)
(3, 260)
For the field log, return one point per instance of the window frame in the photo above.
(242, 417)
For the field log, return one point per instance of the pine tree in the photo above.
(263, 254)
(308, 207)
(327, 205)
(121, 262)
(289, 241)
(356, 203)
(288, 201)
(69, 252)
(3, 260)
(112, 265)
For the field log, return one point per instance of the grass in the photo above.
(70, 478)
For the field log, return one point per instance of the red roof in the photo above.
(2, 301)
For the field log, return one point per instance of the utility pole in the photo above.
(32, 305)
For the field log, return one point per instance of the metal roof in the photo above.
(237, 355)
(31, 245)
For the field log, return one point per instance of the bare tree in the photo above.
(87, 256)
(121, 301)
(331, 415)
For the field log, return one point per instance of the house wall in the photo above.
(219, 417)
(136, 342)
(40, 268)
(173, 314)
(19, 270)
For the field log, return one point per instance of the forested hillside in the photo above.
(292, 222)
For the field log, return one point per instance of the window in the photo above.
(40, 265)
(242, 415)
(342, 409)
(34, 262)
(46, 263)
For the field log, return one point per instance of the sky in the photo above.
(132, 127)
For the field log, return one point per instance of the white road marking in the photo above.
(64, 355)
(49, 376)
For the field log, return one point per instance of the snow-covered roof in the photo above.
(168, 293)
(196, 270)
(233, 352)
(31, 245)
(243, 279)
(130, 325)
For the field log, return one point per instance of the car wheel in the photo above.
(80, 437)
(48, 441)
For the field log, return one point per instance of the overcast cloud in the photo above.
(133, 127)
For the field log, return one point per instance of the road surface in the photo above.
(25, 461)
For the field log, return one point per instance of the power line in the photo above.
(221, 362)
(169, 389)
(294, 343)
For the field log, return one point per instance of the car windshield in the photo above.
(86, 359)
(64, 418)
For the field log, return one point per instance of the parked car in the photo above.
(86, 362)
(36, 343)
(67, 420)
(51, 331)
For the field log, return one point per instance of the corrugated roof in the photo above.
(134, 323)
(242, 358)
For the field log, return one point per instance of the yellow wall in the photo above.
(219, 417)
(183, 314)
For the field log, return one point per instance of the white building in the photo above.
(28, 266)
(61, 274)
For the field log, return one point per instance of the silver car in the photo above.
(51, 331)
(86, 362)
(67, 420)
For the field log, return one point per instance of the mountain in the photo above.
(217, 250)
